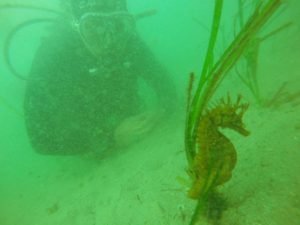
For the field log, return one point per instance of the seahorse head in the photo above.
(230, 115)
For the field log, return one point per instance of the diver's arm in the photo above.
(158, 78)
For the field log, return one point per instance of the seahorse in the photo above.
(216, 156)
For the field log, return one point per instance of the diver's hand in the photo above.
(135, 127)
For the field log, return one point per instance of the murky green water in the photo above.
(70, 155)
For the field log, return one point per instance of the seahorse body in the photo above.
(216, 156)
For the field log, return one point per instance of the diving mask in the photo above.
(104, 33)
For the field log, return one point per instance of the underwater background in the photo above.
(139, 184)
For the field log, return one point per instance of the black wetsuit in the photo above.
(74, 101)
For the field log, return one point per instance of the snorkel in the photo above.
(77, 8)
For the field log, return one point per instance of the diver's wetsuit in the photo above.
(74, 101)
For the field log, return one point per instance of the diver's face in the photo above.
(104, 34)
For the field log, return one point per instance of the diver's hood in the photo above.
(80, 7)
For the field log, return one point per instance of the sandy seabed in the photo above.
(138, 185)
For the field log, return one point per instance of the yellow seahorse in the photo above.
(216, 155)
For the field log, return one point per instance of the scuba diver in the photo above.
(82, 94)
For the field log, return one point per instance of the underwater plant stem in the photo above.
(210, 80)
(189, 156)
(251, 55)
(190, 151)
(230, 56)
(274, 32)
(238, 46)
(213, 38)
(199, 208)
